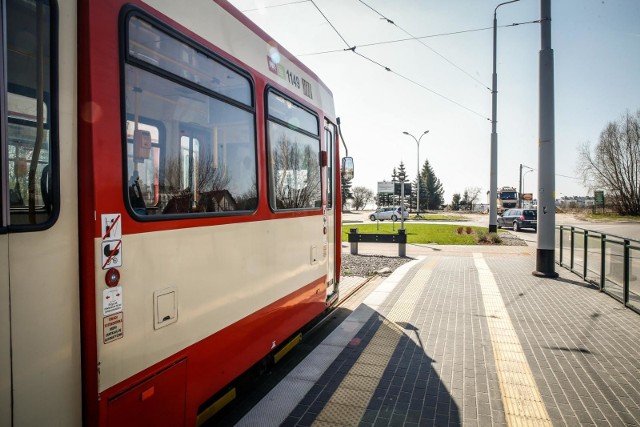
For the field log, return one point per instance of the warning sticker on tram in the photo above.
(111, 301)
(111, 254)
(112, 328)
(111, 227)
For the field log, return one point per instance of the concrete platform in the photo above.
(468, 336)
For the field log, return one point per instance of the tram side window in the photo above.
(189, 150)
(294, 152)
(30, 114)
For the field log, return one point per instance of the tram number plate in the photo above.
(112, 328)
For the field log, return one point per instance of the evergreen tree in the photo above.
(455, 202)
(346, 191)
(430, 188)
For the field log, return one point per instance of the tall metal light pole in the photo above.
(418, 172)
(493, 202)
(521, 188)
(545, 252)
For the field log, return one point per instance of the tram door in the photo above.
(330, 138)
(39, 302)
(5, 332)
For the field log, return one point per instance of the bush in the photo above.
(469, 230)
(460, 230)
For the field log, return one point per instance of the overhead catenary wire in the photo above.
(353, 49)
(427, 46)
(275, 5)
(381, 43)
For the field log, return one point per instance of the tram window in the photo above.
(157, 48)
(294, 150)
(30, 115)
(204, 160)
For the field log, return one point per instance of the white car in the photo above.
(388, 213)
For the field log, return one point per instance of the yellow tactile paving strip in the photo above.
(350, 400)
(522, 401)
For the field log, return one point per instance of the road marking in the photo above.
(521, 398)
(351, 398)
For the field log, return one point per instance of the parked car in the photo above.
(388, 213)
(518, 218)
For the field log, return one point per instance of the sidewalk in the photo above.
(468, 336)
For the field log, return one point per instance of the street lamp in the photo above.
(525, 174)
(418, 173)
(493, 202)
(521, 189)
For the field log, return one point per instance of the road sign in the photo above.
(385, 187)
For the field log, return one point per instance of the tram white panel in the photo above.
(43, 265)
(5, 334)
(233, 37)
(221, 274)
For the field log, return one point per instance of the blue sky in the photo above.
(443, 86)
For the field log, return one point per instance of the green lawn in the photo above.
(441, 234)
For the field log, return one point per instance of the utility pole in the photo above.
(545, 252)
(493, 198)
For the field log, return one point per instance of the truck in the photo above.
(507, 198)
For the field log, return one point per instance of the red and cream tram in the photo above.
(170, 208)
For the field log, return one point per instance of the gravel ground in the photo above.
(368, 265)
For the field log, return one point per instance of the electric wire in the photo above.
(353, 49)
(329, 22)
(427, 46)
(275, 5)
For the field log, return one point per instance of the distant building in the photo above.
(575, 202)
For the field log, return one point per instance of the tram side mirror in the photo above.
(347, 168)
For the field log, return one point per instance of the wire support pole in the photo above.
(493, 174)
(417, 140)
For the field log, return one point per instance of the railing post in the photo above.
(572, 248)
(586, 244)
(603, 265)
(561, 243)
(626, 274)
(354, 245)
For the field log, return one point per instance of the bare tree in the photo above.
(473, 196)
(361, 196)
(614, 163)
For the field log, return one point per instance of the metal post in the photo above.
(520, 189)
(626, 272)
(545, 266)
(493, 202)
(560, 245)
(354, 245)
(418, 170)
(603, 266)
(585, 254)
(402, 202)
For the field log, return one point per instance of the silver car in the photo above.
(388, 213)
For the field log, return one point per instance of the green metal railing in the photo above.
(610, 262)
